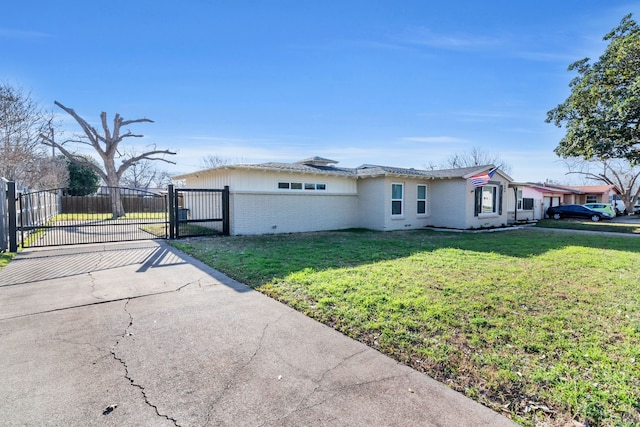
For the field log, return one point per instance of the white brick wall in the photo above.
(259, 213)
(258, 207)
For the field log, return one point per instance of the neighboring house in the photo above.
(582, 194)
(314, 194)
(594, 194)
(533, 199)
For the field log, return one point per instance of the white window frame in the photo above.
(420, 200)
(480, 208)
(520, 206)
(301, 186)
(494, 200)
(396, 201)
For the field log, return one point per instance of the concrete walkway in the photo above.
(139, 334)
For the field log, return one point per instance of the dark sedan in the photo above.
(576, 211)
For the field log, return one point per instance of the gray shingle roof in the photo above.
(319, 165)
(317, 161)
(301, 167)
(368, 171)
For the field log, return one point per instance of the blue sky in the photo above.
(398, 83)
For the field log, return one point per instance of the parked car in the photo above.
(618, 205)
(576, 211)
(602, 207)
(636, 207)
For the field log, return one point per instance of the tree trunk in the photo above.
(107, 147)
(117, 209)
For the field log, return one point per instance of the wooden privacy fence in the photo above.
(102, 204)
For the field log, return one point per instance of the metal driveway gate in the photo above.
(71, 216)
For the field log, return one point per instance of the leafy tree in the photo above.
(106, 145)
(83, 180)
(602, 113)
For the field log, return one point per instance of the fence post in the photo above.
(13, 211)
(225, 211)
(172, 211)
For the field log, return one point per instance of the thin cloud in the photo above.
(425, 37)
(486, 116)
(433, 139)
(22, 34)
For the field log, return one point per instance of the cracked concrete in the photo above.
(175, 343)
(132, 381)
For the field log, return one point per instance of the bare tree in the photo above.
(50, 173)
(106, 144)
(22, 158)
(140, 175)
(476, 157)
(162, 179)
(620, 173)
(213, 161)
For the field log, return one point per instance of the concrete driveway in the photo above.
(139, 334)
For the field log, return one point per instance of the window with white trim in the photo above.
(397, 194)
(488, 200)
(592, 198)
(309, 186)
(421, 200)
(519, 200)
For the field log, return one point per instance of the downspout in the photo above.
(515, 210)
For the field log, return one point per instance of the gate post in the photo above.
(225, 211)
(13, 213)
(172, 212)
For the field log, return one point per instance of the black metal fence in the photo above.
(198, 212)
(53, 217)
(4, 215)
(62, 217)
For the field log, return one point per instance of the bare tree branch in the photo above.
(145, 156)
(107, 146)
(22, 157)
(620, 173)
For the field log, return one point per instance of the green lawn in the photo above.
(541, 326)
(108, 216)
(5, 257)
(608, 226)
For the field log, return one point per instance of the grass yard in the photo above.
(541, 326)
(5, 257)
(576, 224)
(108, 216)
(185, 229)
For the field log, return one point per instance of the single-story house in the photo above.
(314, 194)
(533, 199)
(594, 194)
(581, 194)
